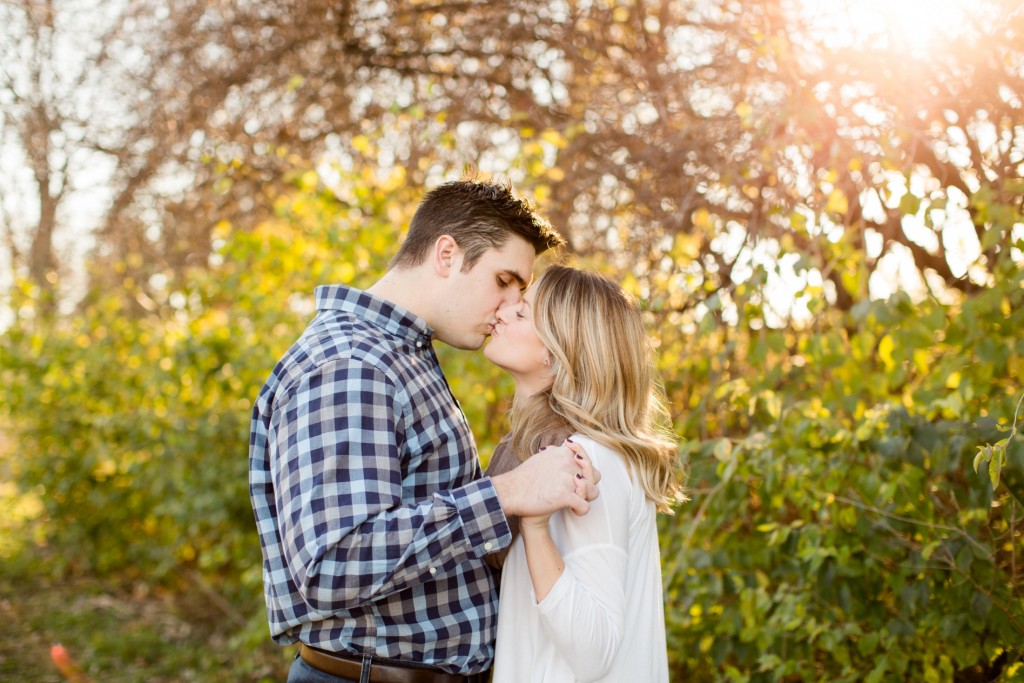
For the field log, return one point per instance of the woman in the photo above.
(581, 597)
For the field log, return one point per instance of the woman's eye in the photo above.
(519, 314)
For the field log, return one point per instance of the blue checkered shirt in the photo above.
(371, 510)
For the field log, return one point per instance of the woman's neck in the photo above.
(530, 386)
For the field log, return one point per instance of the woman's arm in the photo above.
(542, 555)
(579, 584)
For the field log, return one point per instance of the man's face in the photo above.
(497, 279)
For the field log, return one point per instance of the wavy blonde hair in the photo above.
(604, 383)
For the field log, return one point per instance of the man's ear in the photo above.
(447, 255)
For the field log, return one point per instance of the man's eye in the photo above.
(502, 282)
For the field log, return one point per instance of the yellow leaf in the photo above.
(921, 360)
(686, 247)
(702, 218)
(346, 273)
(553, 137)
(798, 221)
(222, 229)
(953, 381)
(361, 143)
(885, 349)
(630, 285)
(837, 202)
(621, 15)
(308, 180)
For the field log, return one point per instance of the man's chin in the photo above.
(466, 344)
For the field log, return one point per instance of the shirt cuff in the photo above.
(483, 520)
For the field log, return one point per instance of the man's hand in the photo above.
(557, 477)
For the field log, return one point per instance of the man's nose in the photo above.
(501, 314)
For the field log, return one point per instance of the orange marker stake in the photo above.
(66, 665)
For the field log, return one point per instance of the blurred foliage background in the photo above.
(819, 205)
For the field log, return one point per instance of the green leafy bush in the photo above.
(838, 530)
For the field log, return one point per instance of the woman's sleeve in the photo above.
(584, 613)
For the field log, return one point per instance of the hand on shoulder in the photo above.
(557, 477)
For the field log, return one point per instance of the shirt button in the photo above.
(488, 546)
(419, 345)
(433, 570)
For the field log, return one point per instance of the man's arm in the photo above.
(347, 537)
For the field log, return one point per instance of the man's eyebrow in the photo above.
(517, 277)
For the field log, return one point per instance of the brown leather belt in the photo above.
(346, 666)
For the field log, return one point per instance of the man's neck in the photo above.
(404, 287)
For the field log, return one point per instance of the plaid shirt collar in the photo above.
(380, 312)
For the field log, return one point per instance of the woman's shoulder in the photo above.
(554, 436)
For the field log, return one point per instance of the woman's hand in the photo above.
(588, 477)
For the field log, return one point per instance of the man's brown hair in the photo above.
(479, 215)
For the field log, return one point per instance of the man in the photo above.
(372, 513)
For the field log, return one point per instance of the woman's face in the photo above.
(516, 348)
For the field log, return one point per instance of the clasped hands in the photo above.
(555, 478)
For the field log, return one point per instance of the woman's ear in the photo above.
(446, 254)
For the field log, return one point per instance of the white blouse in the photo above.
(604, 618)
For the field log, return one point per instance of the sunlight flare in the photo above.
(912, 24)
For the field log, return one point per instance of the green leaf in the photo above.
(929, 550)
(992, 237)
(722, 450)
(995, 468)
(881, 667)
(964, 559)
(984, 453)
(981, 604)
(910, 204)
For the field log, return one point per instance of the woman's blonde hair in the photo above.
(604, 382)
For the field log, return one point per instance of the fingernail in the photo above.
(569, 439)
(579, 476)
(579, 457)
